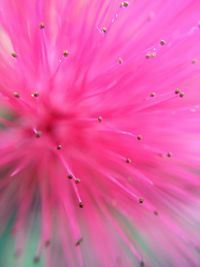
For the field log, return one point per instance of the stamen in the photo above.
(160, 99)
(169, 154)
(100, 119)
(162, 42)
(79, 241)
(194, 61)
(129, 161)
(16, 94)
(120, 60)
(13, 54)
(155, 213)
(139, 137)
(124, 4)
(153, 94)
(150, 55)
(141, 200)
(24, 102)
(66, 53)
(78, 195)
(179, 92)
(104, 30)
(70, 176)
(35, 94)
(42, 25)
(67, 168)
(77, 181)
(37, 133)
(123, 188)
(59, 147)
(81, 205)
(116, 131)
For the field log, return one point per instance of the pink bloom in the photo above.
(99, 137)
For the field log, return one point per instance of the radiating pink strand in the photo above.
(43, 40)
(123, 236)
(117, 131)
(114, 85)
(60, 63)
(44, 50)
(92, 56)
(64, 163)
(122, 187)
(74, 227)
(20, 167)
(44, 186)
(77, 193)
(25, 103)
(154, 103)
(73, 223)
(19, 247)
(142, 176)
(100, 92)
(75, 188)
(134, 169)
(24, 207)
(117, 14)
(173, 41)
(85, 46)
(105, 12)
(148, 206)
(110, 8)
(14, 45)
(8, 97)
(177, 230)
(7, 122)
(66, 245)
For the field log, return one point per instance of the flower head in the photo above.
(100, 124)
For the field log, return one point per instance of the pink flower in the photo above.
(100, 131)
